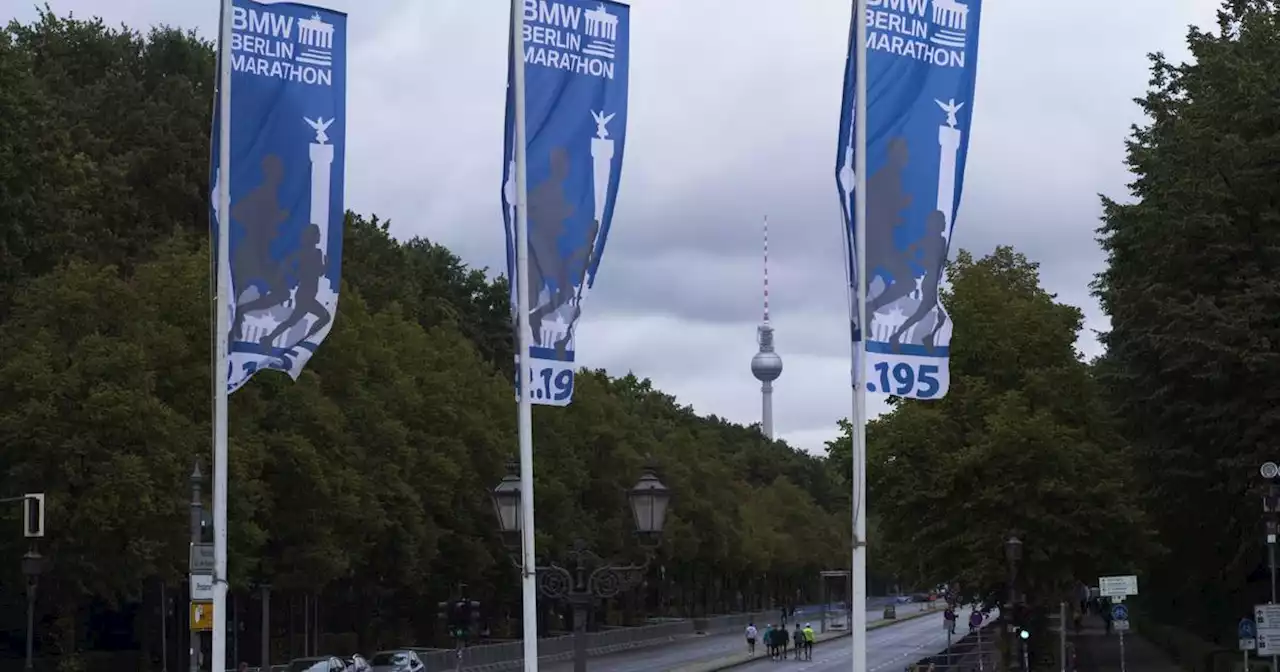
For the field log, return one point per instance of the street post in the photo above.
(32, 562)
(1271, 506)
(1012, 555)
(197, 516)
(1062, 635)
(1248, 635)
(1120, 620)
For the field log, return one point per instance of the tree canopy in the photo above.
(1192, 290)
(1021, 445)
(364, 484)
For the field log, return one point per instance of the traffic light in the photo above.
(33, 515)
(1024, 633)
(460, 619)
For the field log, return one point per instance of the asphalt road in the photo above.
(889, 649)
(684, 652)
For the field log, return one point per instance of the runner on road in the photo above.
(751, 639)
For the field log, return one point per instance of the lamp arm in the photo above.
(554, 582)
(607, 582)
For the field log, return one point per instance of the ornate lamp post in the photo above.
(586, 578)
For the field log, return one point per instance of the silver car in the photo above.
(401, 660)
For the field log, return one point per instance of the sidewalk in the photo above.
(1095, 650)
(666, 655)
(740, 658)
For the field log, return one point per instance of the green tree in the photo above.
(1020, 445)
(103, 149)
(1191, 290)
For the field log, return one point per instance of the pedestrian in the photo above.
(770, 641)
(783, 639)
(797, 640)
(809, 636)
(751, 639)
(1106, 616)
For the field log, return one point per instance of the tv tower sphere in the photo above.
(766, 366)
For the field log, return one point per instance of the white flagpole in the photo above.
(222, 321)
(858, 624)
(528, 570)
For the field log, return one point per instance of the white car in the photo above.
(401, 660)
(357, 663)
(317, 664)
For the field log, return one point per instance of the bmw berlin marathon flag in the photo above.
(576, 62)
(288, 115)
(921, 68)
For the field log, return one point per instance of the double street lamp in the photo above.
(587, 578)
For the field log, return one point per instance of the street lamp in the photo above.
(506, 505)
(32, 565)
(649, 499)
(587, 578)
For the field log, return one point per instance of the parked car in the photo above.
(401, 660)
(357, 663)
(317, 664)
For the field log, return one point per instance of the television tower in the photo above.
(766, 366)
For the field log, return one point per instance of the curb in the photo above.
(738, 660)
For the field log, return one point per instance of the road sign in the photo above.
(1248, 644)
(201, 587)
(1117, 586)
(1121, 626)
(1246, 629)
(201, 559)
(1120, 613)
(201, 616)
(975, 620)
(1267, 618)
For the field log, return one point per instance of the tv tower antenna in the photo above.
(766, 365)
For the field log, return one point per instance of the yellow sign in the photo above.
(201, 616)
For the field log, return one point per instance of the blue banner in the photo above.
(922, 58)
(288, 131)
(576, 64)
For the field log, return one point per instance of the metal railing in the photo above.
(508, 655)
(975, 652)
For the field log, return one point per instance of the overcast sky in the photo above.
(734, 108)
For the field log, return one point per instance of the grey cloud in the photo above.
(733, 116)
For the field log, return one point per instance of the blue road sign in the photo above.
(1247, 629)
(1120, 612)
